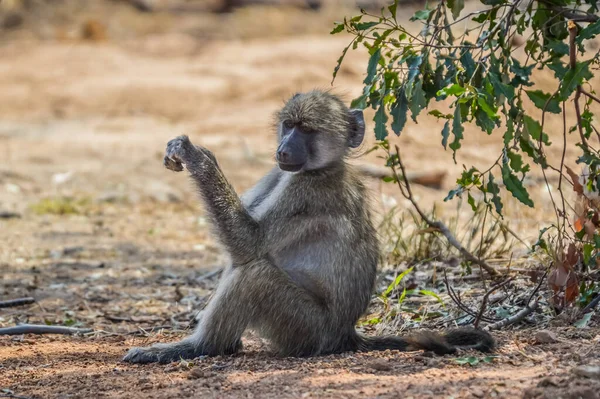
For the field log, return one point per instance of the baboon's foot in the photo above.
(163, 353)
(167, 353)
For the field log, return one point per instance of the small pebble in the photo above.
(545, 337)
(380, 365)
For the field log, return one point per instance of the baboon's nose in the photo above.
(283, 156)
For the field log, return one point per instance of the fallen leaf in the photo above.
(577, 187)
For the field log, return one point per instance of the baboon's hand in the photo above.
(180, 151)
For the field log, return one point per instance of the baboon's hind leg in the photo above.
(258, 293)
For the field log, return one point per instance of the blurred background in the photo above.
(90, 93)
(104, 237)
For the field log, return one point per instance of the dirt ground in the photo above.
(104, 237)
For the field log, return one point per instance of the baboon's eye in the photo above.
(288, 124)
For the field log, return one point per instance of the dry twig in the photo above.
(517, 317)
(17, 302)
(41, 329)
(456, 299)
(485, 300)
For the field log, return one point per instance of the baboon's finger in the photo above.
(172, 164)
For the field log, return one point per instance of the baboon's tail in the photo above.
(459, 338)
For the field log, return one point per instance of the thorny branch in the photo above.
(441, 227)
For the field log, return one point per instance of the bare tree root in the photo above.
(41, 329)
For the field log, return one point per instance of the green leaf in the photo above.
(486, 108)
(467, 61)
(471, 361)
(588, 32)
(413, 63)
(584, 320)
(493, 189)
(360, 102)
(364, 25)
(418, 100)
(574, 78)
(483, 120)
(339, 63)
(521, 73)
(445, 134)
(399, 111)
(380, 123)
(515, 186)
(587, 253)
(338, 28)
(396, 281)
(402, 296)
(535, 129)
(528, 148)
(453, 193)
(558, 47)
(439, 114)
(421, 15)
(481, 18)
(539, 98)
(541, 242)
(432, 294)
(559, 68)
(393, 8)
(471, 201)
(454, 90)
(456, 6)
(457, 130)
(501, 88)
(516, 162)
(372, 67)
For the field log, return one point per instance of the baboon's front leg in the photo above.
(236, 229)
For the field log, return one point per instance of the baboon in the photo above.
(302, 245)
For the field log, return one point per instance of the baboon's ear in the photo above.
(357, 129)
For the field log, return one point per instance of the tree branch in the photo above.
(437, 224)
(590, 95)
(573, 65)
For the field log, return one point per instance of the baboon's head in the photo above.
(315, 130)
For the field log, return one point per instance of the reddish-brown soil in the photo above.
(91, 367)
